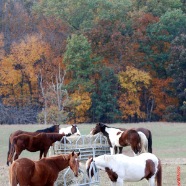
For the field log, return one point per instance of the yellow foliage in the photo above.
(82, 104)
(132, 81)
(18, 68)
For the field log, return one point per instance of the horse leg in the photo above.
(111, 150)
(115, 149)
(152, 181)
(41, 153)
(120, 150)
(45, 153)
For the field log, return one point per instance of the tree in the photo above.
(19, 83)
(104, 106)
(133, 83)
(80, 63)
(177, 69)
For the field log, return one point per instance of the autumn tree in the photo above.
(18, 71)
(133, 83)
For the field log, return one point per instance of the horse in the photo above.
(40, 142)
(120, 167)
(44, 172)
(118, 138)
(144, 144)
(73, 129)
(52, 129)
(147, 133)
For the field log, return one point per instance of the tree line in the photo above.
(88, 61)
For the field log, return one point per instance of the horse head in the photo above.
(100, 127)
(88, 165)
(74, 162)
(75, 130)
(56, 128)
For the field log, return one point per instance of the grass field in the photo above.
(169, 144)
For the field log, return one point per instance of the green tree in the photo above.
(104, 99)
(177, 69)
(83, 14)
(80, 63)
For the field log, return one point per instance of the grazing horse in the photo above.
(40, 142)
(43, 172)
(52, 129)
(121, 168)
(73, 129)
(118, 138)
(147, 133)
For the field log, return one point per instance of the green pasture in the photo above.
(169, 144)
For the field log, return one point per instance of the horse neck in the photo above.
(56, 137)
(101, 162)
(61, 161)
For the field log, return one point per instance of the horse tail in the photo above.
(150, 142)
(9, 146)
(159, 174)
(13, 175)
(12, 150)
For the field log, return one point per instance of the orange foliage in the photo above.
(18, 70)
(162, 99)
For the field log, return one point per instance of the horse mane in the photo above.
(49, 129)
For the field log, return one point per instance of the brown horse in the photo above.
(40, 142)
(118, 138)
(54, 128)
(43, 172)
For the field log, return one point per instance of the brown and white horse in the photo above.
(43, 172)
(40, 142)
(148, 135)
(121, 168)
(71, 130)
(118, 138)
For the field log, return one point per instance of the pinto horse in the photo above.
(73, 129)
(40, 142)
(147, 133)
(121, 168)
(52, 129)
(43, 172)
(118, 138)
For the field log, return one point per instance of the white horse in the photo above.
(121, 168)
(73, 129)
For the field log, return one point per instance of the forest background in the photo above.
(83, 61)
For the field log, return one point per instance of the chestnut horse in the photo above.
(118, 138)
(54, 128)
(40, 142)
(121, 168)
(43, 172)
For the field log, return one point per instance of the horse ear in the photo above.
(78, 153)
(72, 153)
